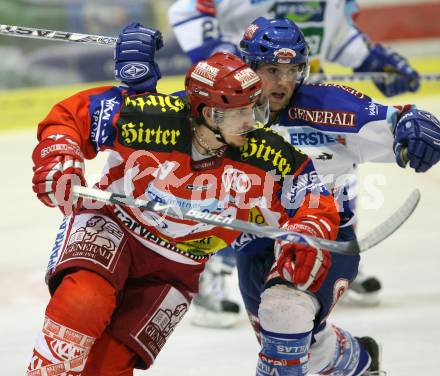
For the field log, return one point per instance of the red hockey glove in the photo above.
(303, 265)
(58, 165)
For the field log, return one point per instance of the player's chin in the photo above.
(278, 104)
(238, 141)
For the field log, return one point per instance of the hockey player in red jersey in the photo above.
(121, 279)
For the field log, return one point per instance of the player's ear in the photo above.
(208, 115)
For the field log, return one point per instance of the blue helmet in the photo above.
(275, 41)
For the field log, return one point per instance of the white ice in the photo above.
(407, 322)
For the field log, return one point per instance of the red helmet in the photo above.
(222, 81)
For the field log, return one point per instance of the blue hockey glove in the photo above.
(134, 57)
(384, 60)
(419, 132)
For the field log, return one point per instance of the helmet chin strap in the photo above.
(218, 134)
(204, 145)
(216, 130)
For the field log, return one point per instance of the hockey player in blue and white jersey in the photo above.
(206, 26)
(337, 127)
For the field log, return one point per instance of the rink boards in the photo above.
(25, 107)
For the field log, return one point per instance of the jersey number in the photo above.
(210, 30)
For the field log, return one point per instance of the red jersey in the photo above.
(149, 141)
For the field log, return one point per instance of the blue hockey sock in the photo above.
(284, 354)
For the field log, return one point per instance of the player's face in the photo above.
(235, 123)
(278, 83)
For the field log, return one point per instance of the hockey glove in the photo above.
(384, 60)
(134, 57)
(304, 266)
(419, 132)
(58, 165)
(206, 7)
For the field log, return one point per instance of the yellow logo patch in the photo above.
(166, 103)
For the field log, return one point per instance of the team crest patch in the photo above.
(152, 335)
(339, 289)
(134, 70)
(250, 31)
(236, 180)
(94, 238)
(284, 55)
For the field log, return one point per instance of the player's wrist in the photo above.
(301, 227)
(56, 145)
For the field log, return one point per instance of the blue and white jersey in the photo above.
(338, 128)
(204, 26)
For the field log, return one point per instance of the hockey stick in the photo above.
(64, 36)
(366, 76)
(346, 248)
(386, 228)
(28, 32)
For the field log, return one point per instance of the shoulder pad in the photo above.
(269, 151)
(154, 121)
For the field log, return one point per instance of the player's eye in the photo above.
(293, 71)
(272, 70)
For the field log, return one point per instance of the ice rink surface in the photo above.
(407, 322)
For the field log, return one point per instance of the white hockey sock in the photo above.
(284, 355)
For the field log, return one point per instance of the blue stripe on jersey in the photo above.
(191, 19)
(180, 93)
(344, 46)
(205, 50)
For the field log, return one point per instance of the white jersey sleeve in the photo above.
(347, 45)
(204, 26)
(339, 127)
(191, 26)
